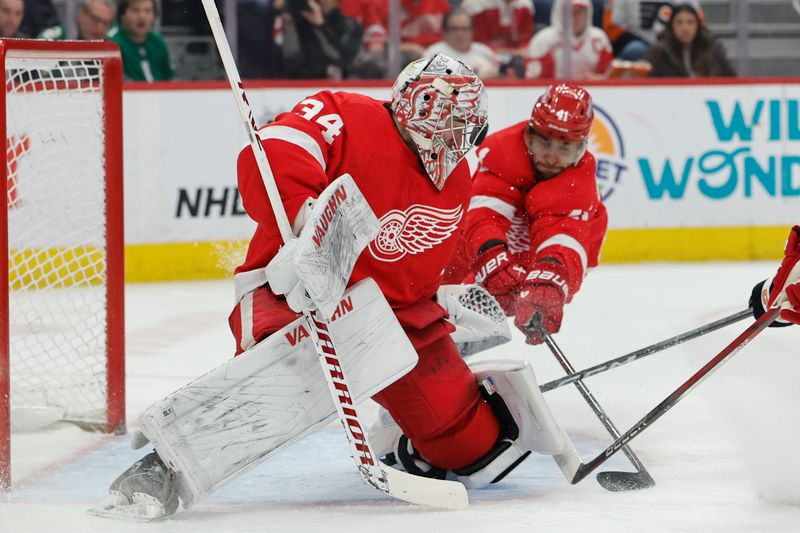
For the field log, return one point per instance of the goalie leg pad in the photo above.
(397, 450)
(249, 408)
(526, 425)
(516, 383)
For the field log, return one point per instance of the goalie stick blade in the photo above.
(425, 491)
(622, 481)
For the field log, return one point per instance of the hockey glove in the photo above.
(283, 280)
(543, 293)
(785, 291)
(500, 275)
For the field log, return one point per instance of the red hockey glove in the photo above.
(500, 275)
(543, 293)
(785, 291)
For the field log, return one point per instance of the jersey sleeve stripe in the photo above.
(503, 208)
(296, 137)
(566, 241)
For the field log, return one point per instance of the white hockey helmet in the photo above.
(443, 105)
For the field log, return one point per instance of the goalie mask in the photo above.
(558, 130)
(442, 104)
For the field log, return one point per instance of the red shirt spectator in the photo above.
(420, 20)
(373, 15)
(504, 25)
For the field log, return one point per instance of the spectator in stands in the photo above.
(504, 25)
(39, 14)
(258, 54)
(458, 44)
(421, 23)
(372, 16)
(590, 55)
(543, 10)
(94, 19)
(11, 17)
(420, 26)
(145, 56)
(686, 49)
(633, 25)
(318, 40)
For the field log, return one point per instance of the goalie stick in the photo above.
(611, 480)
(401, 485)
(649, 350)
(578, 471)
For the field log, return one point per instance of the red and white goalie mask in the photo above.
(442, 104)
(558, 130)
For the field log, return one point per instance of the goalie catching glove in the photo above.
(783, 290)
(543, 294)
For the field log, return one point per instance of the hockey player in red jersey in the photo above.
(536, 222)
(783, 289)
(407, 158)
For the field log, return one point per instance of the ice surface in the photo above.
(729, 440)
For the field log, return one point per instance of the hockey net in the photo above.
(61, 352)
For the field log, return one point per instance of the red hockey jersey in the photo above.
(562, 217)
(329, 134)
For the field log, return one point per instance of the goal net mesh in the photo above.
(56, 205)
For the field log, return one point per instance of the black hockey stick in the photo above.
(581, 470)
(613, 481)
(649, 350)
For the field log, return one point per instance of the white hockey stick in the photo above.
(401, 485)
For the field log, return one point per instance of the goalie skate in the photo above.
(144, 492)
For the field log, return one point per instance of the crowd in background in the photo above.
(341, 39)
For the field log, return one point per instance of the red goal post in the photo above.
(62, 313)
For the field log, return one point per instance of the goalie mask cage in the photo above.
(61, 317)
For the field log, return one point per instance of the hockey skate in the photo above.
(144, 492)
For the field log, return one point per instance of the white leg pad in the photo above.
(516, 383)
(249, 408)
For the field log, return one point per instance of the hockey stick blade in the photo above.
(420, 490)
(623, 481)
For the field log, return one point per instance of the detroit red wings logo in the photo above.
(518, 235)
(418, 228)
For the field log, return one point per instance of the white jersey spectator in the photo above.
(591, 51)
(458, 44)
